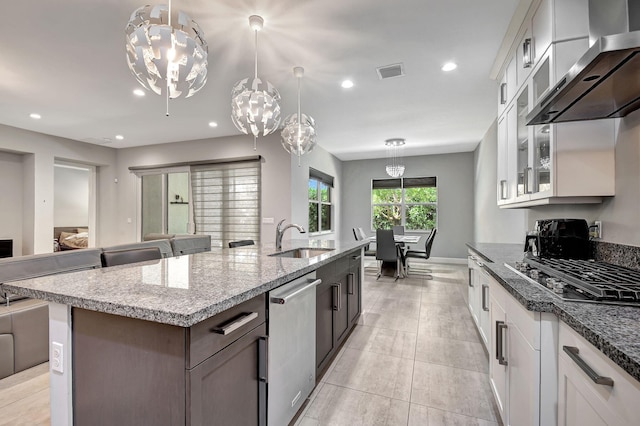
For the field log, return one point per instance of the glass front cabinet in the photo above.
(552, 163)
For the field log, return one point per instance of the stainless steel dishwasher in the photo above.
(292, 347)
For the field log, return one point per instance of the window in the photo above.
(412, 202)
(220, 198)
(165, 201)
(320, 202)
(227, 201)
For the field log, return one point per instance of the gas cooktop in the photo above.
(583, 280)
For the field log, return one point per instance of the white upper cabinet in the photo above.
(559, 163)
(507, 87)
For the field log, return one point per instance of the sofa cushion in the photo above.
(163, 245)
(190, 244)
(39, 265)
(6, 355)
(31, 336)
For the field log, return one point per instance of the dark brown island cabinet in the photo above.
(338, 302)
(134, 372)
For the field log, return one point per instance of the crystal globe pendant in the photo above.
(255, 105)
(395, 165)
(299, 132)
(166, 58)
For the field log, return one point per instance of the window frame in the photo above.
(321, 179)
(403, 204)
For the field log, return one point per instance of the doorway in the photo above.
(74, 204)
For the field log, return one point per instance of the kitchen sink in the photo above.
(303, 253)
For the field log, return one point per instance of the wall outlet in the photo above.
(267, 220)
(57, 357)
(598, 229)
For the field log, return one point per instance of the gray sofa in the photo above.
(24, 323)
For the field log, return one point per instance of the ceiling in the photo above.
(66, 61)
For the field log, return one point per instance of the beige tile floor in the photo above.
(414, 359)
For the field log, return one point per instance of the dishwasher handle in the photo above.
(284, 299)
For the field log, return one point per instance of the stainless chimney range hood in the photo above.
(605, 82)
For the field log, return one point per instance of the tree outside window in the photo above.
(320, 205)
(411, 202)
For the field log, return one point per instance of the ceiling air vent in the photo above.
(97, 141)
(390, 71)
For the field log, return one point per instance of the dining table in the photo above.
(401, 240)
(406, 239)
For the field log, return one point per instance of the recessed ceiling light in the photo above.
(213, 124)
(347, 84)
(449, 66)
(35, 116)
(139, 92)
(119, 137)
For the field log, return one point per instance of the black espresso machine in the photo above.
(559, 239)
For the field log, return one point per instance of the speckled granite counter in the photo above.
(614, 330)
(183, 290)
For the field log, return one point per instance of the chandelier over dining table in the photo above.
(395, 161)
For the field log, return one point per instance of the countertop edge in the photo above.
(172, 317)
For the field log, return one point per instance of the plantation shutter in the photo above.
(226, 201)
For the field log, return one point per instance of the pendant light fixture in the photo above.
(166, 57)
(395, 163)
(255, 105)
(299, 132)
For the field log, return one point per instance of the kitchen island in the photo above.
(127, 334)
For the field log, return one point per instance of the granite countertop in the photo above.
(614, 330)
(183, 290)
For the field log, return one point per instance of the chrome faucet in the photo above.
(280, 231)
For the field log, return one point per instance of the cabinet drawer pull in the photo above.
(284, 299)
(527, 53)
(230, 328)
(500, 326)
(350, 280)
(504, 190)
(573, 352)
(355, 257)
(485, 307)
(470, 280)
(503, 93)
(336, 296)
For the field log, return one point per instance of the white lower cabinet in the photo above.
(523, 385)
(479, 297)
(582, 401)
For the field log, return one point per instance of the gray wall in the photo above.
(455, 197)
(490, 223)
(11, 199)
(321, 160)
(71, 197)
(619, 214)
(39, 153)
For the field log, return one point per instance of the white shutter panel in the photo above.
(226, 201)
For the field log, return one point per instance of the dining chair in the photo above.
(233, 244)
(123, 257)
(360, 235)
(398, 230)
(387, 251)
(416, 254)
